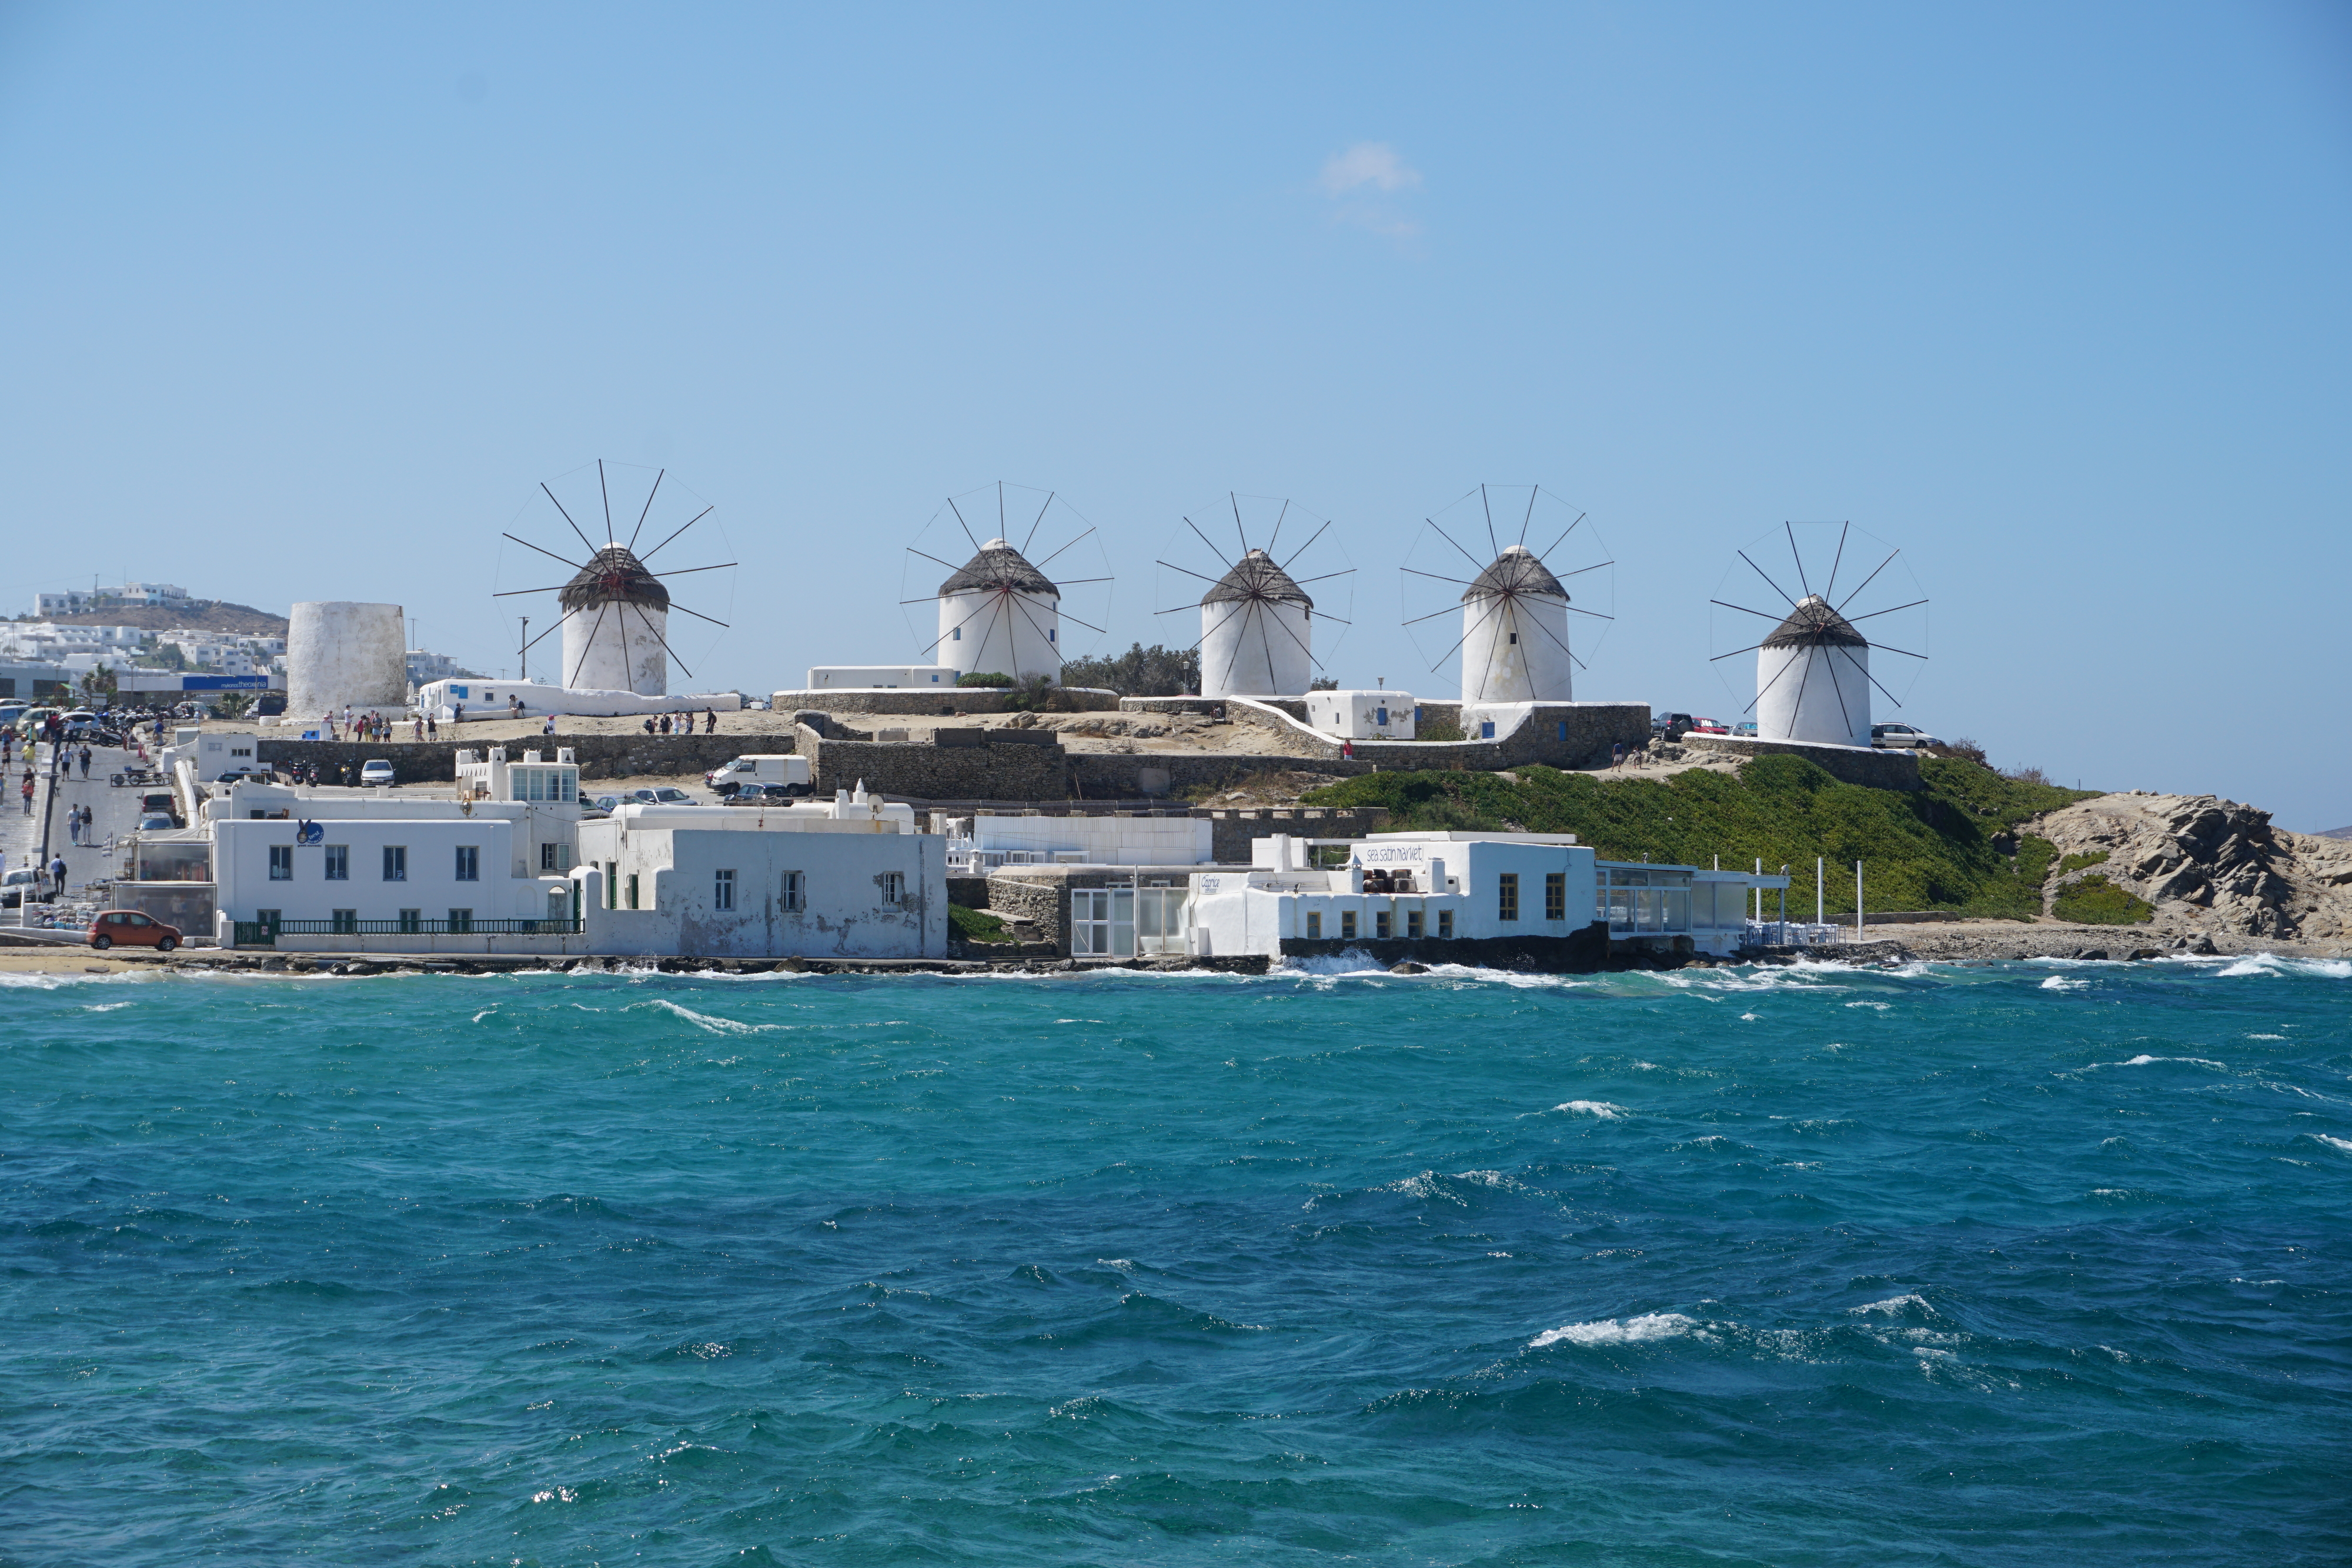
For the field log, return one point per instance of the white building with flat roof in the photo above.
(1462, 887)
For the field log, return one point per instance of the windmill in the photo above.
(1813, 678)
(1516, 644)
(1257, 620)
(998, 612)
(616, 609)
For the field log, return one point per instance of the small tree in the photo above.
(985, 678)
(99, 682)
(232, 704)
(1141, 672)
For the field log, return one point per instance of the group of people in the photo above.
(78, 820)
(685, 725)
(369, 726)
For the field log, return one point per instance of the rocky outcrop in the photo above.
(2206, 863)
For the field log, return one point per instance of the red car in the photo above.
(1709, 726)
(132, 929)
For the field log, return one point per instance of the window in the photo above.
(345, 921)
(1102, 922)
(339, 862)
(469, 862)
(1506, 895)
(461, 920)
(1383, 923)
(1486, 729)
(795, 895)
(281, 863)
(395, 862)
(412, 921)
(1515, 639)
(1314, 924)
(956, 637)
(1563, 729)
(722, 891)
(633, 890)
(1445, 924)
(1412, 924)
(894, 889)
(1053, 633)
(1347, 925)
(555, 857)
(1556, 896)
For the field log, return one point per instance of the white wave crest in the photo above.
(2335, 1143)
(1599, 1108)
(2061, 983)
(708, 1023)
(2145, 1061)
(1618, 1330)
(2274, 963)
(1895, 1304)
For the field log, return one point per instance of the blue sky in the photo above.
(302, 302)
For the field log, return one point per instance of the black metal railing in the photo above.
(264, 933)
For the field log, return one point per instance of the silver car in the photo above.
(1900, 735)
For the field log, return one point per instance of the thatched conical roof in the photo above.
(1515, 571)
(1814, 624)
(998, 567)
(1255, 576)
(614, 576)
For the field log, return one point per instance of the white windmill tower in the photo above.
(999, 613)
(1257, 620)
(616, 607)
(1514, 642)
(1814, 680)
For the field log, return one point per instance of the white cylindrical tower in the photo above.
(341, 654)
(1813, 679)
(1256, 632)
(616, 615)
(1000, 615)
(1515, 634)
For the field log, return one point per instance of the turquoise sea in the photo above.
(2018, 1264)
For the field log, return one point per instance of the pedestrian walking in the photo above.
(28, 792)
(432, 727)
(73, 825)
(88, 832)
(710, 721)
(85, 762)
(57, 874)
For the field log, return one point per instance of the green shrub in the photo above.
(1437, 729)
(2076, 862)
(988, 678)
(977, 926)
(1927, 849)
(1141, 672)
(2096, 901)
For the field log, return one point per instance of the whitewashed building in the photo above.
(473, 700)
(987, 841)
(878, 677)
(1362, 715)
(1461, 887)
(846, 878)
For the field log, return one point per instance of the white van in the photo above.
(759, 767)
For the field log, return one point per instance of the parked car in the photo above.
(129, 929)
(17, 885)
(764, 795)
(1900, 735)
(1707, 727)
(1748, 729)
(603, 803)
(80, 722)
(669, 796)
(376, 772)
(237, 775)
(1669, 725)
(156, 823)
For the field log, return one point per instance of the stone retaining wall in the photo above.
(1591, 729)
(926, 771)
(599, 756)
(1872, 768)
(934, 701)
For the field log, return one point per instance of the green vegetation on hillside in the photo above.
(2076, 862)
(1930, 848)
(2096, 901)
